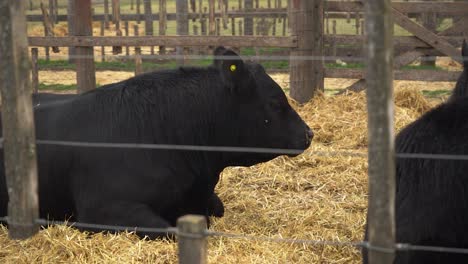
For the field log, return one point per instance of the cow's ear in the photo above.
(218, 55)
(465, 55)
(232, 68)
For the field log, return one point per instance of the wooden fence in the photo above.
(322, 44)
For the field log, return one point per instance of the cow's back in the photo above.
(432, 194)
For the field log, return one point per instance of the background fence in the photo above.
(423, 31)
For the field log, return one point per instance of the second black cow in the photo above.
(431, 205)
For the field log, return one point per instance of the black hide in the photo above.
(231, 103)
(431, 205)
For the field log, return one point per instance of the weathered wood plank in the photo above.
(162, 23)
(34, 70)
(182, 28)
(404, 7)
(88, 41)
(414, 42)
(191, 239)
(381, 150)
(426, 35)
(410, 75)
(407, 58)
(18, 122)
(306, 75)
(443, 8)
(85, 69)
(459, 28)
(173, 16)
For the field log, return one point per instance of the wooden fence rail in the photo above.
(173, 41)
(347, 48)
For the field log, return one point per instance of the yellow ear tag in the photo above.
(233, 68)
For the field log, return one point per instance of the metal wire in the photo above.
(409, 247)
(173, 230)
(168, 147)
(150, 230)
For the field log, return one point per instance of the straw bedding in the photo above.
(312, 196)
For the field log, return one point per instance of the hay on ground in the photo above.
(307, 197)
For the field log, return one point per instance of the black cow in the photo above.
(230, 103)
(431, 205)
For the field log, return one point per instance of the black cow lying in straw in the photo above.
(231, 103)
(432, 194)
(215, 205)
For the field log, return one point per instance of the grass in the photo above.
(57, 87)
(436, 93)
(155, 65)
(345, 66)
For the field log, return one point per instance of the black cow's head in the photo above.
(262, 115)
(461, 88)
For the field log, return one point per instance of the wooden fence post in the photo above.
(379, 78)
(191, 239)
(126, 30)
(103, 48)
(56, 21)
(306, 62)
(85, 69)
(48, 26)
(233, 24)
(162, 23)
(211, 17)
(138, 61)
(429, 21)
(19, 146)
(34, 70)
(52, 11)
(182, 27)
(148, 20)
(70, 24)
(106, 14)
(138, 11)
(248, 20)
(115, 11)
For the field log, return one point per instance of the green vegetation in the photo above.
(436, 93)
(57, 87)
(171, 64)
(345, 66)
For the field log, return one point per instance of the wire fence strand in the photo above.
(401, 247)
(357, 154)
(91, 226)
